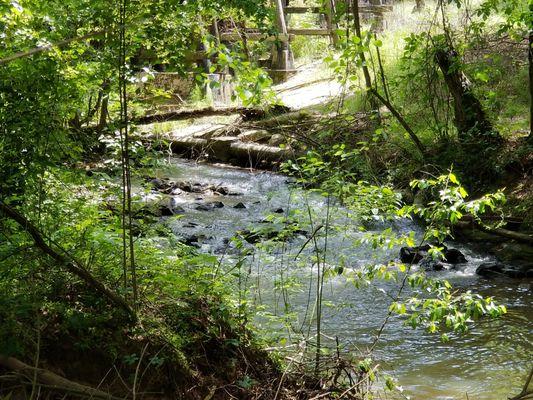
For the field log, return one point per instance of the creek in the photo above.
(489, 362)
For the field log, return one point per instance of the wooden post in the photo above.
(282, 58)
(332, 24)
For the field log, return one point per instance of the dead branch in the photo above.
(525, 393)
(53, 381)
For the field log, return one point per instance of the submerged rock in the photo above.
(432, 265)
(497, 269)
(217, 204)
(203, 207)
(239, 205)
(209, 206)
(170, 209)
(414, 255)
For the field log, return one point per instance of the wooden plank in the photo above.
(370, 9)
(235, 36)
(366, 8)
(302, 10)
(309, 32)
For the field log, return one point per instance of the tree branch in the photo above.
(35, 50)
(67, 261)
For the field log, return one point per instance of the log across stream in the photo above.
(490, 362)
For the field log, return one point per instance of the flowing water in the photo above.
(490, 362)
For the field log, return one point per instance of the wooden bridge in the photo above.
(282, 60)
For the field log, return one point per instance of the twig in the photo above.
(524, 394)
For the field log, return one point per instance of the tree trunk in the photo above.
(470, 117)
(419, 5)
(102, 121)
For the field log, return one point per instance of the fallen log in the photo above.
(518, 236)
(472, 224)
(53, 381)
(187, 114)
(295, 117)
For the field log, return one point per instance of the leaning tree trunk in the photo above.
(470, 118)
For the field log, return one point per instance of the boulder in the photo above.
(413, 255)
(157, 183)
(221, 190)
(167, 210)
(239, 205)
(495, 269)
(454, 256)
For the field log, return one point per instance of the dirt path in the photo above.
(310, 86)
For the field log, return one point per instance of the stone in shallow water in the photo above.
(239, 205)
(170, 209)
(203, 207)
(413, 255)
(209, 206)
(454, 256)
(432, 265)
(497, 269)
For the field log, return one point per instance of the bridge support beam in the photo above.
(282, 58)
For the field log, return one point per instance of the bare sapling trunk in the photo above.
(530, 57)
(374, 93)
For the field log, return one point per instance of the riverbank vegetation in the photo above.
(101, 297)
